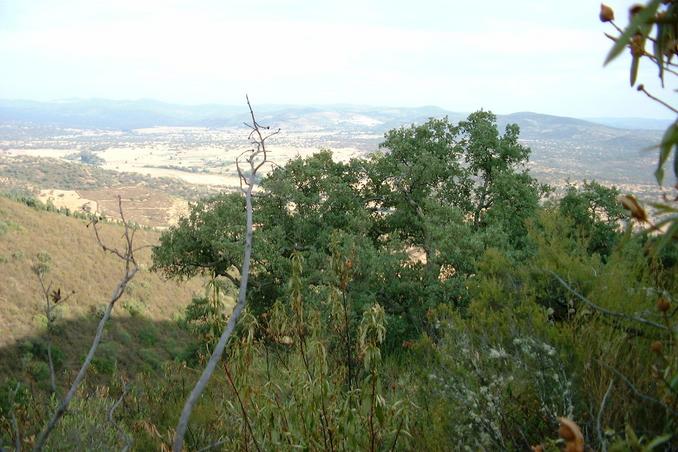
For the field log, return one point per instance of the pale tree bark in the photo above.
(255, 158)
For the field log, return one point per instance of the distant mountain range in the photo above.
(125, 115)
(614, 148)
(633, 123)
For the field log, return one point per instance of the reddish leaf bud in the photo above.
(606, 13)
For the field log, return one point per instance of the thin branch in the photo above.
(49, 308)
(603, 310)
(242, 407)
(621, 32)
(667, 64)
(123, 435)
(601, 438)
(142, 247)
(395, 440)
(48, 314)
(130, 270)
(246, 186)
(213, 445)
(637, 392)
(642, 89)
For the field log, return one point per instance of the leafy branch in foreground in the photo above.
(130, 269)
(654, 25)
(255, 158)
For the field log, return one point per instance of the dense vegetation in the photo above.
(430, 297)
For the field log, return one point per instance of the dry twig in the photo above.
(599, 427)
(604, 311)
(123, 435)
(130, 269)
(56, 297)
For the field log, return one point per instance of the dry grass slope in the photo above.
(142, 326)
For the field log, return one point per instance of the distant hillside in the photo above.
(535, 126)
(126, 115)
(563, 148)
(143, 331)
(634, 123)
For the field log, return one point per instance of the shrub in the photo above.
(147, 337)
(104, 365)
(39, 370)
(134, 307)
(87, 427)
(151, 358)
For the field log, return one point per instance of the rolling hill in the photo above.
(143, 331)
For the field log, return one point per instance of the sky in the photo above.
(544, 56)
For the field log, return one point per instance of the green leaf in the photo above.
(635, 63)
(664, 208)
(658, 441)
(631, 437)
(668, 235)
(669, 140)
(672, 219)
(674, 384)
(640, 23)
(659, 42)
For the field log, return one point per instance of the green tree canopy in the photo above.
(412, 217)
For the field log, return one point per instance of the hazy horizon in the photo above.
(520, 56)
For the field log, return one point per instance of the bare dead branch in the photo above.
(127, 440)
(599, 427)
(130, 269)
(604, 311)
(48, 314)
(247, 183)
(50, 296)
(213, 445)
(636, 391)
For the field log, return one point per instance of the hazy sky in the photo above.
(519, 55)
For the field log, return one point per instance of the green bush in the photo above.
(151, 358)
(134, 307)
(104, 365)
(124, 336)
(7, 226)
(147, 337)
(97, 312)
(39, 370)
(41, 322)
(86, 427)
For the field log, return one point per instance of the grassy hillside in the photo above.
(143, 331)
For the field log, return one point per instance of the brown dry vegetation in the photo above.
(143, 205)
(78, 264)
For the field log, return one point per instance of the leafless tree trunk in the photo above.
(131, 268)
(255, 158)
